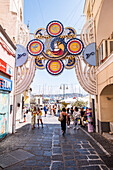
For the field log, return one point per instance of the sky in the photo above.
(38, 13)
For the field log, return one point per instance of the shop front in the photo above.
(5, 89)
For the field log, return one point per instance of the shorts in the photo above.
(39, 117)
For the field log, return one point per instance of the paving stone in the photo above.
(81, 157)
(71, 168)
(67, 149)
(38, 168)
(14, 157)
(95, 162)
(57, 158)
(36, 152)
(48, 164)
(70, 163)
(69, 157)
(93, 157)
(82, 162)
(57, 165)
(47, 158)
(67, 146)
(47, 153)
(90, 168)
(7, 160)
(68, 153)
(21, 154)
(77, 146)
(41, 163)
(57, 150)
(86, 146)
(104, 167)
(30, 162)
(81, 150)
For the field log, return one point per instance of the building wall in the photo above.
(11, 11)
(102, 12)
(10, 60)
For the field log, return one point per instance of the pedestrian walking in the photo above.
(58, 109)
(24, 111)
(33, 117)
(82, 116)
(54, 110)
(63, 122)
(68, 118)
(45, 110)
(76, 116)
(72, 110)
(39, 117)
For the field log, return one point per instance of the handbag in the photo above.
(61, 118)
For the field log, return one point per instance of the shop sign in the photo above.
(90, 54)
(21, 55)
(5, 84)
(4, 67)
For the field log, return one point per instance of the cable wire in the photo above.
(40, 11)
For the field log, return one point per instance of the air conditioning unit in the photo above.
(104, 50)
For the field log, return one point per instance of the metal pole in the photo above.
(63, 90)
(14, 105)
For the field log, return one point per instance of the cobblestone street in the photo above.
(47, 149)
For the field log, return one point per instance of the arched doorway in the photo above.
(106, 108)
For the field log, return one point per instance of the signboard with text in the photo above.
(5, 68)
(90, 54)
(21, 55)
(5, 84)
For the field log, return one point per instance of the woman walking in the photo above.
(39, 117)
(76, 116)
(63, 123)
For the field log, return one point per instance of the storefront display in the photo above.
(5, 88)
(4, 112)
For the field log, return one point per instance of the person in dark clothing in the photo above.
(63, 123)
(68, 119)
(82, 116)
(72, 110)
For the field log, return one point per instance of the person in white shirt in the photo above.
(76, 116)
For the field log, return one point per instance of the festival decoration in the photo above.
(71, 62)
(54, 67)
(35, 47)
(75, 46)
(38, 63)
(55, 44)
(54, 28)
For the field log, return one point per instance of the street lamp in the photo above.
(63, 86)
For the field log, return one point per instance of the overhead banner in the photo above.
(90, 54)
(21, 55)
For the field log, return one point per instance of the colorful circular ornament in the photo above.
(75, 46)
(55, 67)
(54, 28)
(35, 47)
(38, 63)
(71, 62)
